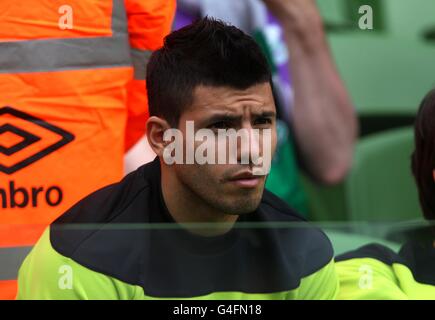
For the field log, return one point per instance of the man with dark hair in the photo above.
(423, 158)
(140, 238)
(377, 272)
(316, 122)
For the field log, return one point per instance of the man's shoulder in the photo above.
(369, 273)
(108, 203)
(372, 251)
(298, 238)
(99, 230)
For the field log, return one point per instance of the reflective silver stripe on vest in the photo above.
(67, 54)
(140, 59)
(11, 260)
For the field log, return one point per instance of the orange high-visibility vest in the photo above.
(72, 101)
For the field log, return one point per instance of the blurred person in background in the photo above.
(375, 271)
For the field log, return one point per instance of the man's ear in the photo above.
(156, 127)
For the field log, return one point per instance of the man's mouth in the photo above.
(245, 179)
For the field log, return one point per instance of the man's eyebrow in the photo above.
(224, 117)
(236, 117)
(266, 114)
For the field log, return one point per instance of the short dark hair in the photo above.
(423, 157)
(206, 52)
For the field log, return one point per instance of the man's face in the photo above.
(229, 188)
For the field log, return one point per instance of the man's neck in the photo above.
(185, 207)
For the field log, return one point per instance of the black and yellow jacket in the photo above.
(104, 248)
(376, 272)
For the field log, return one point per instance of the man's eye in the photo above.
(220, 125)
(262, 121)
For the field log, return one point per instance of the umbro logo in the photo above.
(25, 139)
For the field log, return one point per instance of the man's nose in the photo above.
(249, 147)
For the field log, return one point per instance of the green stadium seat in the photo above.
(409, 19)
(334, 14)
(380, 187)
(325, 203)
(384, 75)
(379, 194)
(397, 18)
